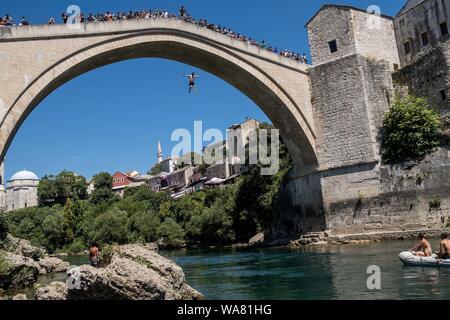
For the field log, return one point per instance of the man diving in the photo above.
(192, 78)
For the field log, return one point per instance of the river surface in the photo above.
(332, 272)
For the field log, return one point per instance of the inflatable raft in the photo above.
(409, 259)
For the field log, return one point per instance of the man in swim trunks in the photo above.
(423, 249)
(94, 255)
(192, 78)
(444, 252)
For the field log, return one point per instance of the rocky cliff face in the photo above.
(24, 263)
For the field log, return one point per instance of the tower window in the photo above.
(333, 46)
(407, 47)
(444, 28)
(443, 95)
(425, 39)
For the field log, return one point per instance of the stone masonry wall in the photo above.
(425, 17)
(331, 23)
(428, 76)
(375, 37)
(410, 199)
(349, 97)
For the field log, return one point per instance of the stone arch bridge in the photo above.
(329, 114)
(36, 60)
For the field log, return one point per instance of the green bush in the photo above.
(4, 229)
(76, 247)
(146, 225)
(411, 130)
(435, 203)
(111, 227)
(172, 234)
(4, 265)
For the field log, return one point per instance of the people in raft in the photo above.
(444, 251)
(423, 248)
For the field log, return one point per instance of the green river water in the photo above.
(332, 272)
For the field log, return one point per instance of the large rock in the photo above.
(52, 264)
(54, 291)
(24, 248)
(19, 297)
(20, 271)
(135, 273)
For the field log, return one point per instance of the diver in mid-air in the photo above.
(192, 78)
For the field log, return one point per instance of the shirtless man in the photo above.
(93, 255)
(444, 252)
(423, 249)
(192, 78)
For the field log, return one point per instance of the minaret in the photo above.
(160, 153)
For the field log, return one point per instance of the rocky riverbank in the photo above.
(129, 272)
(323, 238)
(22, 263)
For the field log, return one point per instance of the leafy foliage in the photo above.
(102, 189)
(210, 217)
(4, 228)
(56, 189)
(411, 130)
(155, 170)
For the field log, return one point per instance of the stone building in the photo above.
(360, 60)
(21, 191)
(422, 32)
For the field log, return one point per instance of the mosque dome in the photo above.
(24, 175)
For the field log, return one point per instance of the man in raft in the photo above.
(444, 252)
(423, 249)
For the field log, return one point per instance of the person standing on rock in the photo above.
(94, 255)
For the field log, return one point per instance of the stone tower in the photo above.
(160, 153)
(354, 53)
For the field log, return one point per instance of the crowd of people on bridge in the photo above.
(8, 21)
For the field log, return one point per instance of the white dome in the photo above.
(24, 175)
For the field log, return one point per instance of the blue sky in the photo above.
(112, 118)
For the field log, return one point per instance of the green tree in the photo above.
(411, 130)
(57, 189)
(155, 170)
(54, 231)
(102, 189)
(172, 234)
(146, 225)
(73, 213)
(111, 227)
(47, 192)
(4, 229)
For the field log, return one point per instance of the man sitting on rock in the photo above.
(444, 252)
(423, 249)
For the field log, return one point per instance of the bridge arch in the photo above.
(239, 70)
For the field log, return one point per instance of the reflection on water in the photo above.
(336, 272)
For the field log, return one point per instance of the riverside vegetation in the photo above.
(68, 220)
